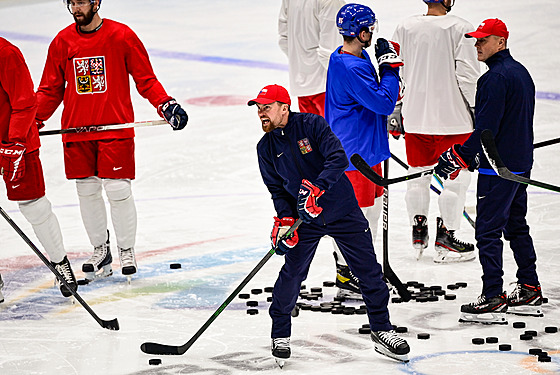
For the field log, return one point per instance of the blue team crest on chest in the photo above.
(90, 75)
(304, 146)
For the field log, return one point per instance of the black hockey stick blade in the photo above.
(363, 167)
(491, 152)
(107, 324)
(161, 349)
(391, 278)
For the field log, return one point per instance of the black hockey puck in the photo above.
(252, 311)
(551, 329)
(256, 291)
(252, 303)
(491, 340)
(361, 312)
(423, 336)
(364, 331)
(337, 311)
(396, 300)
(435, 287)
(318, 294)
(424, 289)
(461, 284)
(316, 290)
(422, 299)
(518, 324)
(401, 329)
(544, 300)
(525, 337)
(535, 351)
(244, 296)
(349, 311)
(532, 333)
(311, 297)
(450, 297)
(478, 340)
(339, 299)
(154, 361)
(504, 347)
(419, 285)
(365, 325)
(83, 282)
(268, 299)
(315, 308)
(411, 283)
(452, 287)
(326, 308)
(175, 266)
(330, 304)
(268, 289)
(328, 284)
(543, 354)
(306, 306)
(544, 359)
(439, 292)
(433, 298)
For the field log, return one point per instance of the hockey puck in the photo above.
(365, 325)
(491, 340)
(83, 282)
(328, 284)
(452, 287)
(268, 299)
(543, 354)
(364, 331)
(544, 359)
(423, 336)
(315, 308)
(268, 289)
(422, 299)
(252, 311)
(252, 303)
(396, 300)
(450, 297)
(256, 291)
(329, 304)
(535, 351)
(419, 285)
(401, 329)
(361, 312)
(504, 347)
(316, 290)
(478, 340)
(433, 298)
(337, 311)
(435, 287)
(532, 333)
(440, 292)
(349, 311)
(244, 296)
(302, 287)
(154, 361)
(326, 308)
(411, 283)
(544, 300)
(518, 324)
(175, 266)
(306, 306)
(339, 299)
(461, 284)
(551, 329)
(525, 337)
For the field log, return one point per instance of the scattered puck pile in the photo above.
(422, 293)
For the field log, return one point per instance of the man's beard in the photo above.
(268, 127)
(86, 20)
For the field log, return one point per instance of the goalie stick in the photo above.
(491, 152)
(108, 324)
(97, 128)
(364, 168)
(161, 349)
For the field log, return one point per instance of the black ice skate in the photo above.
(348, 285)
(525, 300)
(128, 262)
(420, 235)
(65, 270)
(281, 350)
(1, 286)
(450, 249)
(485, 310)
(99, 265)
(390, 345)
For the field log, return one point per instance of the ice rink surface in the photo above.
(201, 203)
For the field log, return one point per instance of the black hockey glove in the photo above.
(395, 122)
(387, 52)
(173, 114)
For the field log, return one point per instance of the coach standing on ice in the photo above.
(505, 104)
(302, 164)
(88, 67)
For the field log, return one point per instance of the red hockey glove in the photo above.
(173, 114)
(388, 53)
(308, 208)
(12, 162)
(450, 163)
(280, 228)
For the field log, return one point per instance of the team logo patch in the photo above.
(90, 75)
(304, 146)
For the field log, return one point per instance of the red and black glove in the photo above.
(173, 114)
(280, 228)
(450, 163)
(12, 162)
(307, 206)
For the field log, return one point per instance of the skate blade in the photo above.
(485, 318)
(348, 294)
(280, 362)
(446, 256)
(419, 251)
(399, 357)
(526, 310)
(105, 271)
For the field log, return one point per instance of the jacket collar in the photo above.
(497, 57)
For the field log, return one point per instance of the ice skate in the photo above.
(99, 265)
(450, 249)
(128, 262)
(420, 235)
(281, 350)
(485, 310)
(65, 271)
(389, 344)
(348, 284)
(525, 300)
(1, 286)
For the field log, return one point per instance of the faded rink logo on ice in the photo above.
(90, 75)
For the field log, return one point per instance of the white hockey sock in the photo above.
(417, 195)
(92, 208)
(452, 200)
(123, 211)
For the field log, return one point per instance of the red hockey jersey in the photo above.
(90, 73)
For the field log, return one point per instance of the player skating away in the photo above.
(20, 165)
(302, 164)
(505, 104)
(358, 100)
(440, 73)
(88, 67)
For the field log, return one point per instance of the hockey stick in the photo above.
(363, 167)
(434, 189)
(161, 349)
(388, 274)
(97, 128)
(546, 143)
(491, 152)
(108, 324)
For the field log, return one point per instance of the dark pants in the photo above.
(501, 209)
(353, 237)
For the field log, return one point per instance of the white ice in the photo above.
(201, 202)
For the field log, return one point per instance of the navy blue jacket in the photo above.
(306, 148)
(505, 104)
